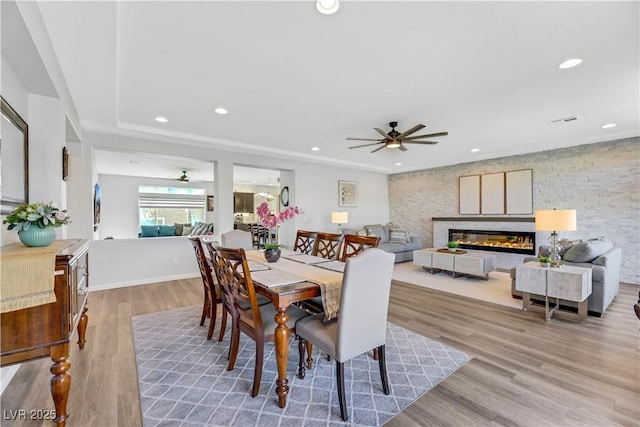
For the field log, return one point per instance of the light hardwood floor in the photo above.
(523, 371)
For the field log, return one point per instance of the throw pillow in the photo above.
(361, 233)
(399, 235)
(179, 228)
(186, 231)
(166, 230)
(148, 231)
(378, 231)
(588, 251)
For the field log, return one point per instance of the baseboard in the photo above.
(140, 282)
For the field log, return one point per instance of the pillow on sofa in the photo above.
(378, 231)
(166, 230)
(180, 227)
(186, 230)
(399, 235)
(148, 231)
(588, 251)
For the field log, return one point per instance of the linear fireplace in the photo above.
(517, 242)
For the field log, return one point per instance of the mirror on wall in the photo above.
(14, 159)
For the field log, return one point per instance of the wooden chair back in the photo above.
(352, 245)
(211, 295)
(327, 245)
(305, 240)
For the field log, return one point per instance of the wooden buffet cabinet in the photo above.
(46, 330)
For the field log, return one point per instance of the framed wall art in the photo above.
(210, 203)
(519, 189)
(14, 158)
(347, 193)
(65, 163)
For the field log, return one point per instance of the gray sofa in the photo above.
(604, 261)
(392, 239)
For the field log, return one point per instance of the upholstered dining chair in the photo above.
(362, 322)
(305, 240)
(255, 321)
(212, 292)
(237, 239)
(327, 245)
(352, 245)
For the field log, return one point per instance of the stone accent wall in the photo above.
(601, 181)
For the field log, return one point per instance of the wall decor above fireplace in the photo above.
(497, 193)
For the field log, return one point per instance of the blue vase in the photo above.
(37, 237)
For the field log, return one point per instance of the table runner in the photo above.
(28, 275)
(306, 259)
(330, 281)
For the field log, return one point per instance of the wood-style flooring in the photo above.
(523, 371)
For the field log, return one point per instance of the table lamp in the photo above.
(339, 218)
(554, 221)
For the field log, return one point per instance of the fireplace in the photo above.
(517, 242)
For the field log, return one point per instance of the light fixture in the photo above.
(184, 178)
(339, 218)
(392, 144)
(609, 125)
(475, 150)
(570, 63)
(161, 119)
(315, 149)
(327, 7)
(554, 221)
(221, 110)
(398, 164)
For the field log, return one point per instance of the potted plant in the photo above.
(544, 261)
(36, 222)
(453, 246)
(271, 221)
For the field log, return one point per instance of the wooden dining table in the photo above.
(317, 280)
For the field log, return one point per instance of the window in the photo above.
(170, 205)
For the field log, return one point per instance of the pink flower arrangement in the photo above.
(272, 221)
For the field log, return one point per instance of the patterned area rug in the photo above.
(183, 379)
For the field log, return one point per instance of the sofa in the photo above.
(197, 229)
(598, 254)
(393, 239)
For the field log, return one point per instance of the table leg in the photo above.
(82, 328)
(61, 382)
(282, 355)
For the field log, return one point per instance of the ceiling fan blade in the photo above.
(383, 133)
(364, 139)
(419, 142)
(416, 128)
(428, 135)
(366, 145)
(379, 148)
(402, 148)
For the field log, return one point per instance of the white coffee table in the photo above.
(565, 282)
(460, 262)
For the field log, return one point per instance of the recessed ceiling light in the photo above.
(569, 63)
(608, 125)
(161, 119)
(398, 164)
(327, 7)
(253, 181)
(221, 110)
(315, 149)
(475, 150)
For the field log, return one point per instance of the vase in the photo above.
(272, 255)
(544, 264)
(37, 237)
(452, 249)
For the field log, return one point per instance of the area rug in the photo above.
(183, 380)
(496, 290)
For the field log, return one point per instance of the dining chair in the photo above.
(212, 292)
(362, 322)
(254, 320)
(305, 241)
(352, 245)
(237, 239)
(327, 245)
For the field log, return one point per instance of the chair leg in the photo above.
(309, 357)
(382, 363)
(233, 347)
(223, 325)
(205, 307)
(257, 374)
(213, 314)
(341, 396)
(301, 349)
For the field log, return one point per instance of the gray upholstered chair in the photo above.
(237, 239)
(362, 322)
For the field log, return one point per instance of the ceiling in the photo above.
(293, 79)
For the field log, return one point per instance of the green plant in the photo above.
(452, 245)
(271, 246)
(544, 260)
(41, 214)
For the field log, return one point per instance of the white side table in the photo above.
(565, 282)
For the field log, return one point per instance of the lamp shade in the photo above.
(339, 217)
(556, 220)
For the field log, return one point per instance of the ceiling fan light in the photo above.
(184, 179)
(393, 144)
(327, 7)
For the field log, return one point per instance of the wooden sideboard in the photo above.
(45, 330)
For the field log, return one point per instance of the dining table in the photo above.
(294, 277)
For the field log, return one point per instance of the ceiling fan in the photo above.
(184, 178)
(395, 139)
